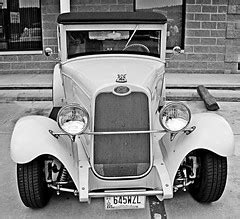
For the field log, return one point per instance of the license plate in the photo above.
(125, 202)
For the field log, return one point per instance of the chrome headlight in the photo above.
(73, 119)
(174, 117)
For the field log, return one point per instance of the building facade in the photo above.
(211, 35)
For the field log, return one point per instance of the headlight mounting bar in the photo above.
(186, 131)
(124, 132)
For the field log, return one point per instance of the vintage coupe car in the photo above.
(111, 133)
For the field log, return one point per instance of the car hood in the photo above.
(92, 73)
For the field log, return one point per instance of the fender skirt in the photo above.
(212, 133)
(31, 138)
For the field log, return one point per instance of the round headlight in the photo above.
(174, 117)
(73, 119)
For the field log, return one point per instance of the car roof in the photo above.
(111, 18)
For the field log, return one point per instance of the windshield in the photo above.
(146, 42)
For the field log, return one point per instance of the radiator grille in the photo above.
(126, 154)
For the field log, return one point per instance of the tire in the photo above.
(211, 177)
(32, 185)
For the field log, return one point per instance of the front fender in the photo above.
(212, 133)
(31, 138)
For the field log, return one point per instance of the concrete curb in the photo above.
(7, 96)
(171, 95)
(180, 87)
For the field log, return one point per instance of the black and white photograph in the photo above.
(120, 109)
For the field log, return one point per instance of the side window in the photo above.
(20, 25)
(174, 10)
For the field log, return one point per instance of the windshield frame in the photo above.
(104, 27)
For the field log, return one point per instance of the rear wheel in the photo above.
(211, 177)
(32, 185)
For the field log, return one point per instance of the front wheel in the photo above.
(211, 177)
(32, 185)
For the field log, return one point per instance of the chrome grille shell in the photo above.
(122, 155)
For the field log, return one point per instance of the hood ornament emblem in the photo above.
(121, 78)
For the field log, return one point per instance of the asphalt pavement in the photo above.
(67, 206)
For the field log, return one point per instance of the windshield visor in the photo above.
(146, 42)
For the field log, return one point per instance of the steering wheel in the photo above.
(137, 47)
